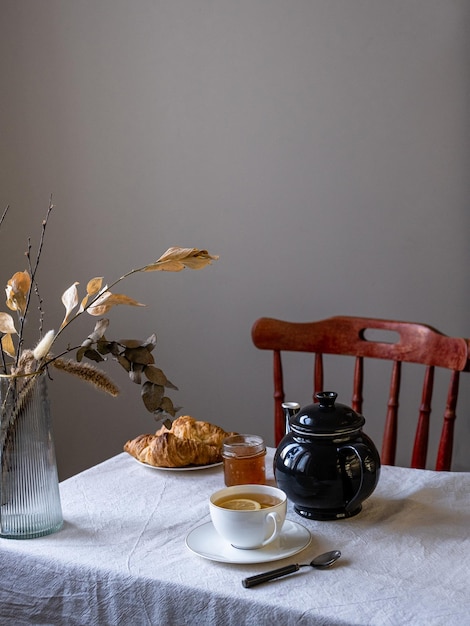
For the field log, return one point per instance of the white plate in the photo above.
(206, 542)
(187, 468)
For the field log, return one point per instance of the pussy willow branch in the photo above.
(33, 278)
(5, 211)
(36, 290)
(4, 364)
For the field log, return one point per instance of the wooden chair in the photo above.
(417, 343)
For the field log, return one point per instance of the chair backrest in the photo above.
(353, 336)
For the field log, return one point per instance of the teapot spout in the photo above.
(290, 410)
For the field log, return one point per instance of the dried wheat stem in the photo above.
(87, 372)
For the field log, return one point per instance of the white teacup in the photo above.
(248, 516)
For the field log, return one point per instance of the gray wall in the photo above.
(321, 147)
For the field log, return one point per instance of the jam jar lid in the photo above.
(243, 446)
(326, 417)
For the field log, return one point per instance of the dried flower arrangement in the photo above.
(21, 365)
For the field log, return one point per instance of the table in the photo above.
(121, 557)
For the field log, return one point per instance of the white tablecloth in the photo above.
(121, 557)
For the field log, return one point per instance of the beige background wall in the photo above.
(321, 147)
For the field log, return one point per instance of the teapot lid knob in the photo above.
(326, 398)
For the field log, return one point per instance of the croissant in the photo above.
(186, 427)
(188, 442)
(167, 450)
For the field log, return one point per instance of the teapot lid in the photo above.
(326, 417)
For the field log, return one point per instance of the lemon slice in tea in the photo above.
(242, 504)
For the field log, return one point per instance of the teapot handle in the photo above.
(368, 478)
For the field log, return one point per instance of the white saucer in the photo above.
(206, 542)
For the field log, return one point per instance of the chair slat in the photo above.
(279, 396)
(318, 375)
(389, 444)
(444, 453)
(358, 384)
(420, 448)
(346, 335)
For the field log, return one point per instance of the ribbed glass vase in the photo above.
(29, 486)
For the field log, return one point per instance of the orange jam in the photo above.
(244, 460)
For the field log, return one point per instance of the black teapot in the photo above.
(325, 464)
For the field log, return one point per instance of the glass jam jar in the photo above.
(244, 460)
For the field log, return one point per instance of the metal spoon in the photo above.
(320, 562)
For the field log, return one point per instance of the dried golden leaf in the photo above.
(17, 290)
(7, 345)
(7, 325)
(70, 301)
(199, 260)
(94, 285)
(120, 298)
(83, 304)
(107, 300)
(176, 259)
(176, 253)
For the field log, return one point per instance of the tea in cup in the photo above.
(248, 516)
